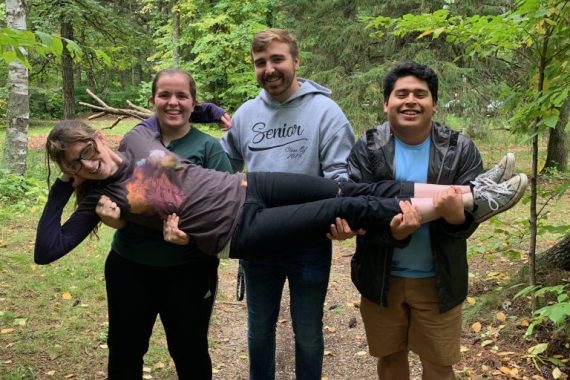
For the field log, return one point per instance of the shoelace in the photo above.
(484, 180)
(488, 189)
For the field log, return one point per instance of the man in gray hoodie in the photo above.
(291, 126)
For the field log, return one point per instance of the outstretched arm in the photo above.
(211, 113)
(54, 240)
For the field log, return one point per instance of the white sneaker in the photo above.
(491, 199)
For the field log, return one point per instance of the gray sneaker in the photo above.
(498, 173)
(496, 198)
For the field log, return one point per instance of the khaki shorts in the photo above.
(412, 321)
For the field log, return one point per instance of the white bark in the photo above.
(16, 147)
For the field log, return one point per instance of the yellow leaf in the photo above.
(327, 353)
(50, 373)
(20, 321)
(147, 369)
(215, 370)
(471, 301)
(525, 323)
(66, 296)
(426, 33)
(505, 353)
(6, 331)
(501, 316)
(330, 329)
(505, 370)
(463, 349)
(147, 376)
(556, 373)
(486, 342)
(361, 353)
(476, 327)
(103, 346)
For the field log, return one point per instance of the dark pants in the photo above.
(183, 296)
(285, 211)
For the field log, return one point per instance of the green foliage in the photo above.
(215, 47)
(556, 311)
(19, 194)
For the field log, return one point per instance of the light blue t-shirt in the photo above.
(414, 261)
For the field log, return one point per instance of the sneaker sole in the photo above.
(514, 200)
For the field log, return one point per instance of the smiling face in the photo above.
(91, 159)
(173, 102)
(410, 108)
(275, 69)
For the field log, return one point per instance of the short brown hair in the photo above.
(262, 39)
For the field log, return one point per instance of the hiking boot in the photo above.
(493, 199)
(498, 173)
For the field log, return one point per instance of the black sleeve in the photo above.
(54, 240)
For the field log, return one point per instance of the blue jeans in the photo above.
(308, 275)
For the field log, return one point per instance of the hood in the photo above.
(308, 87)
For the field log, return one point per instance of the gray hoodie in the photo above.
(307, 133)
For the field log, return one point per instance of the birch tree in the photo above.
(18, 113)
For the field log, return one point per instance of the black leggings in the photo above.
(182, 295)
(284, 211)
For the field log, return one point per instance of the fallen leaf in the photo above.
(505, 353)
(556, 373)
(20, 321)
(282, 320)
(147, 376)
(327, 353)
(6, 331)
(361, 353)
(50, 373)
(215, 370)
(69, 376)
(476, 327)
(243, 357)
(501, 316)
(330, 329)
(66, 296)
(147, 369)
(505, 370)
(471, 301)
(485, 368)
(525, 323)
(7, 361)
(463, 349)
(103, 346)
(486, 342)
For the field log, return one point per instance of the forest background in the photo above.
(504, 80)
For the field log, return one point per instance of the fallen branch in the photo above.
(135, 111)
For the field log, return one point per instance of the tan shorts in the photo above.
(412, 321)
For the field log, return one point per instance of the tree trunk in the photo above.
(175, 34)
(558, 256)
(557, 155)
(18, 112)
(67, 71)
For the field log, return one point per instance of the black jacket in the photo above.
(454, 159)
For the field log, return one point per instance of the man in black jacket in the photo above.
(412, 296)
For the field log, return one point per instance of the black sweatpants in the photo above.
(183, 296)
(285, 211)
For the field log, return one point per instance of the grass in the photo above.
(54, 317)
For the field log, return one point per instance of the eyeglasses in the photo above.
(86, 153)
